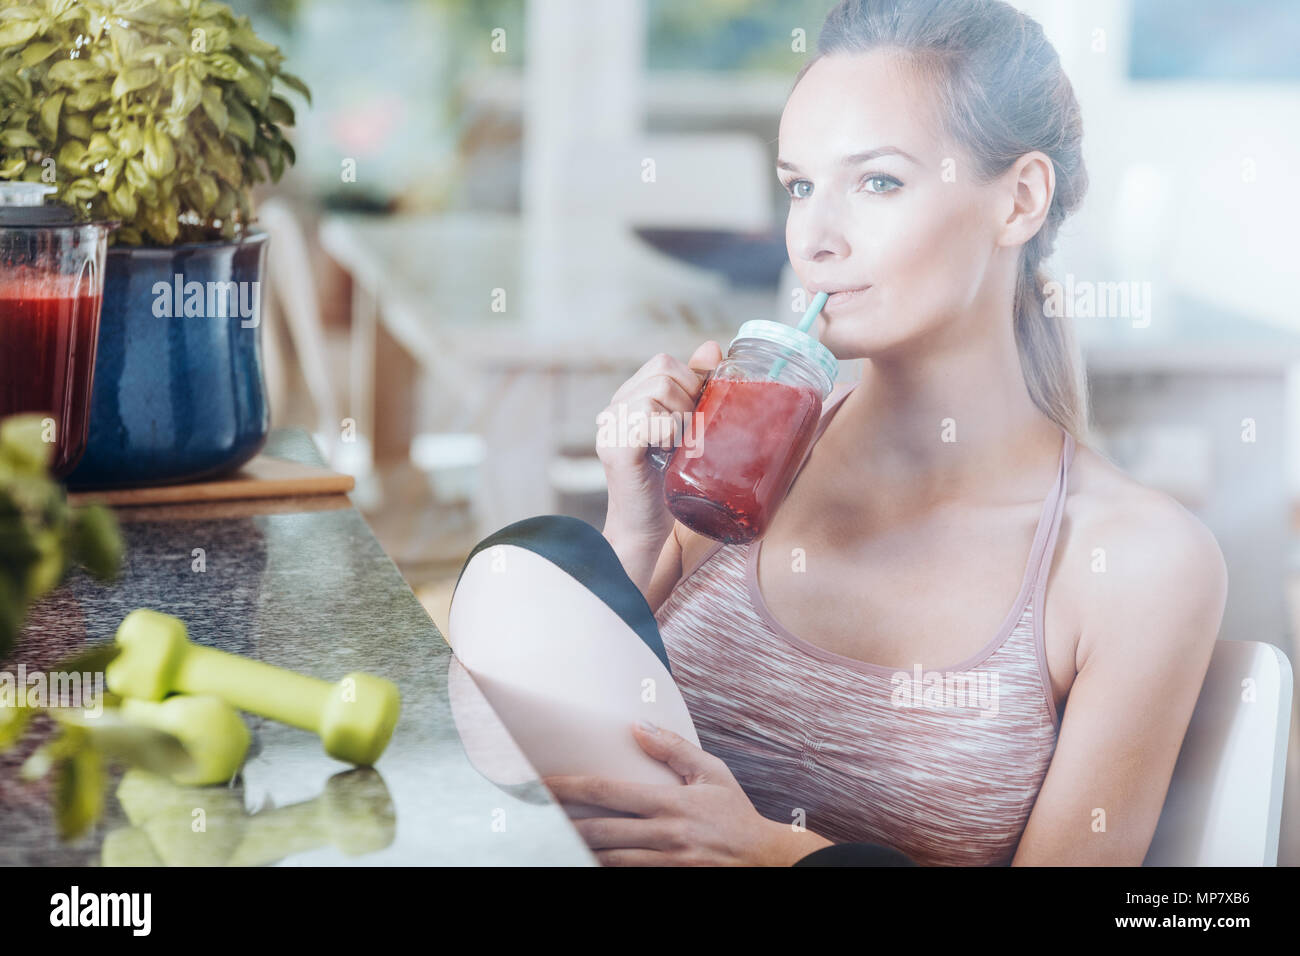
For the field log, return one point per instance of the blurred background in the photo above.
(503, 208)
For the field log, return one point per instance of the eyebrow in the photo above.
(854, 158)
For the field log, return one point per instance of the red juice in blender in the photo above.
(47, 360)
(754, 422)
(51, 289)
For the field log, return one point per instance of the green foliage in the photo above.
(160, 113)
(77, 756)
(41, 537)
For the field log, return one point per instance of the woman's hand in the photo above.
(707, 822)
(666, 389)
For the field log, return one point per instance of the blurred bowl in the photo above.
(750, 259)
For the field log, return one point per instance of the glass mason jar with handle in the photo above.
(752, 425)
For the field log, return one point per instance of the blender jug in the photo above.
(51, 288)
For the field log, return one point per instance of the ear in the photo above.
(1030, 184)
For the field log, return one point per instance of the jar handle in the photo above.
(659, 457)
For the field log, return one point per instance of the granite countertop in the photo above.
(299, 583)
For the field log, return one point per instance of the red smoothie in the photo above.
(751, 437)
(47, 360)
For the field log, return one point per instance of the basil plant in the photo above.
(162, 114)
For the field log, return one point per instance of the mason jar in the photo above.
(734, 459)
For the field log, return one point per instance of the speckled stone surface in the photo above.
(309, 590)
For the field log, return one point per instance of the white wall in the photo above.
(1228, 155)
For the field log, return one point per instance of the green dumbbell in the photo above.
(211, 730)
(354, 718)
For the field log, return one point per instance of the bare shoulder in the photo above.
(1148, 558)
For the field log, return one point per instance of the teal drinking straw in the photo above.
(805, 324)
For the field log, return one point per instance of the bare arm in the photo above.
(1153, 617)
(654, 572)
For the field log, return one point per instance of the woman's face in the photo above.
(910, 224)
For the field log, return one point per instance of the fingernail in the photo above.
(648, 727)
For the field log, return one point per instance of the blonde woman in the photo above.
(949, 520)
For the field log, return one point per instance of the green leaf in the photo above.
(135, 174)
(130, 140)
(25, 12)
(256, 85)
(39, 764)
(18, 139)
(22, 441)
(120, 740)
(280, 111)
(19, 31)
(79, 792)
(186, 94)
(13, 609)
(133, 78)
(215, 108)
(81, 190)
(250, 41)
(294, 83)
(35, 53)
(225, 203)
(72, 155)
(226, 66)
(209, 192)
(94, 535)
(159, 155)
(73, 72)
(13, 721)
(76, 124)
(241, 122)
(50, 115)
(88, 96)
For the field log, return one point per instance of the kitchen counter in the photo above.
(299, 583)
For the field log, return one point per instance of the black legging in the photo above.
(856, 854)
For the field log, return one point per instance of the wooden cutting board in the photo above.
(263, 477)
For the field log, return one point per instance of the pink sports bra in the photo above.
(943, 765)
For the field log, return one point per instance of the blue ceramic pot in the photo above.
(178, 393)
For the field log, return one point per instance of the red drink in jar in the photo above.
(754, 422)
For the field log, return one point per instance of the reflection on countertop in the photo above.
(306, 588)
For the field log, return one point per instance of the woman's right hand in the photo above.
(662, 386)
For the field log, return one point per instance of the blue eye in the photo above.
(877, 183)
(890, 183)
(790, 187)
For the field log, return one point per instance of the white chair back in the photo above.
(1224, 805)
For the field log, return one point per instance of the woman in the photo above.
(931, 151)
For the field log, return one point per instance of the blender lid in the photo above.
(23, 204)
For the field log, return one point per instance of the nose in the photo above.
(817, 233)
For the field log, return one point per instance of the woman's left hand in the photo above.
(707, 822)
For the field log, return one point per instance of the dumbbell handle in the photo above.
(250, 685)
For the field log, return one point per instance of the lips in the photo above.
(842, 290)
(845, 295)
